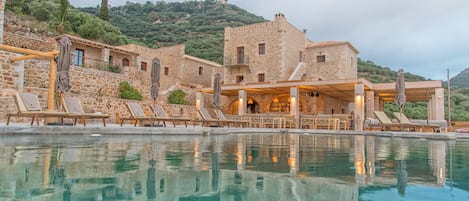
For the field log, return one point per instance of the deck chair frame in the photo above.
(35, 114)
(162, 115)
(72, 106)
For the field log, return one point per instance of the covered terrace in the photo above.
(360, 94)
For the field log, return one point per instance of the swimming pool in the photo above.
(232, 167)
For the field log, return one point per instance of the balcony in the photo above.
(238, 61)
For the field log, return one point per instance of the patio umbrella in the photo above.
(400, 98)
(216, 90)
(155, 78)
(63, 65)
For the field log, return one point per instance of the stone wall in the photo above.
(341, 62)
(28, 42)
(97, 90)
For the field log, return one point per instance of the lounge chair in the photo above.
(28, 106)
(161, 114)
(137, 114)
(207, 118)
(222, 117)
(73, 108)
(387, 124)
(421, 125)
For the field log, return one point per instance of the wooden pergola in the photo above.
(34, 54)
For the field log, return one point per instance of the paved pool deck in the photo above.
(115, 129)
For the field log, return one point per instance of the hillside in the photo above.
(461, 80)
(197, 24)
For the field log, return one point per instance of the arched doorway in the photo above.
(252, 106)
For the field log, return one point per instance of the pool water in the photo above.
(246, 167)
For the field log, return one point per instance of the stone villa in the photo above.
(269, 68)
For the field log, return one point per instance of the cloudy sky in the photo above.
(424, 37)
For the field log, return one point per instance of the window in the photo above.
(262, 48)
(201, 70)
(125, 62)
(301, 59)
(240, 55)
(261, 77)
(143, 66)
(166, 71)
(110, 60)
(79, 59)
(321, 58)
(239, 78)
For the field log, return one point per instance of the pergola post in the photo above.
(295, 105)
(370, 103)
(2, 19)
(242, 98)
(439, 104)
(359, 109)
(199, 100)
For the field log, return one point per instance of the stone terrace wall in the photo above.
(28, 42)
(97, 90)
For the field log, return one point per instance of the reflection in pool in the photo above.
(253, 167)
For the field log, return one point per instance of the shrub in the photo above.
(177, 97)
(127, 91)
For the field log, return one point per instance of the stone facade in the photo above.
(177, 68)
(277, 51)
(282, 46)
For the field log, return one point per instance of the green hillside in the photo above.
(197, 24)
(461, 80)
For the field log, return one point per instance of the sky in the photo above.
(423, 37)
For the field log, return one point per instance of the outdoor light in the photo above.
(275, 100)
(250, 101)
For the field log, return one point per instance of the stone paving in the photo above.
(115, 129)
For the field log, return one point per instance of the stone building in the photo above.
(272, 67)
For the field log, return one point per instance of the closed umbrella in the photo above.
(216, 90)
(155, 78)
(63, 65)
(400, 98)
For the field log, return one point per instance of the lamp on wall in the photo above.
(276, 100)
(250, 101)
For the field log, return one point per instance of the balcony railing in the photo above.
(238, 61)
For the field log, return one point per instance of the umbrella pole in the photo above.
(401, 119)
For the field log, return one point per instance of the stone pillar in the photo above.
(105, 53)
(370, 104)
(439, 102)
(379, 104)
(242, 98)
(199, 100)
(295, 105)
(2, 19)
(359, 109)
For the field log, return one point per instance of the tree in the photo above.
(62, 15)
(103, 11)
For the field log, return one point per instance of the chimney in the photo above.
(279, 16)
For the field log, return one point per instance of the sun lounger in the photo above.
(137, 114)
(73, 108)
(28, 106)
(222, 117)
(421, 125)
(387, 124)
(161, 114)
(207, 118)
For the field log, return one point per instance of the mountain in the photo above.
(461, 80)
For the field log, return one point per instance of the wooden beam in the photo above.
(30, 56)
(50, 97)
(28, 51)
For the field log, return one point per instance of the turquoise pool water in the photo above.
(249, 167)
